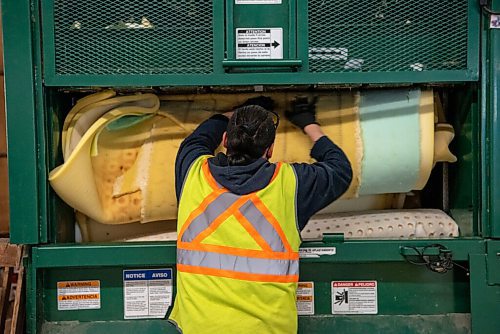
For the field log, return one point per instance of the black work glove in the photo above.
(261, 101)
(303, 112)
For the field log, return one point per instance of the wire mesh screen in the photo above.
(387, 35)
(96, 37)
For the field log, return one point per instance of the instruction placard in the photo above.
(147, 293)
(305, 298)
(354, 297)
(257, 2)
(78, 295)
(259, 43)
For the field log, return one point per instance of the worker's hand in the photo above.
(261, 101)
(303, 112)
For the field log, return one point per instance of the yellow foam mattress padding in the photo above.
(442, 139)
(120, 151)
(426, 116)
(108, 173)
(337, 112)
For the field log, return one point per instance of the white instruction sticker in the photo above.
(495, 21)
(259, 43)
(147, 293)
(305, 253)
(305, 298)
(257, 2)
(354, 297)
(78, 295)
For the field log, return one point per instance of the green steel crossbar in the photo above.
(262, 63)
(164, 253)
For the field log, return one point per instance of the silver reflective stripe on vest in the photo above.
(263, 226)
(248, 210)
(241, 264)
(213, 210)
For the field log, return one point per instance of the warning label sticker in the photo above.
(78, 295)
(354, 297)
(147, 293)
(259, 43)
(257, 2)
(305, 298)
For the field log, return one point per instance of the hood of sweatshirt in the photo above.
(241, 180)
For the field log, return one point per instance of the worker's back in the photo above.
(240, 217)
(237, 256)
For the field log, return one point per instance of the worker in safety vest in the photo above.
(240, 218)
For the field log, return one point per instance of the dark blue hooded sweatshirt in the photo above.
(318, 184)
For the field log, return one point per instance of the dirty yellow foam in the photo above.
(442, 139)
(426, 119)
(338, 115)
(80, 104)
(75, 181)
(83, 120)
(127, 175)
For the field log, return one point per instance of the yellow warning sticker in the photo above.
(305, 298)
(78, 295)
(77, 284)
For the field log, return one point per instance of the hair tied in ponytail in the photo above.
(246, 129)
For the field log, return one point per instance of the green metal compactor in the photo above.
(57, 51)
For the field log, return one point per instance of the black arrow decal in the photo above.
(275, 44)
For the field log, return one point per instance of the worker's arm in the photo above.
(324, 181)
(203, 141)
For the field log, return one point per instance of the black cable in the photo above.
(418, 255)
(487, 10)
(441, 263)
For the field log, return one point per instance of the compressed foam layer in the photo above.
(391, 139)
(120, 150)
(107, 154)
(384, 224)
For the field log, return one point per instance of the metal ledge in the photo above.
(164, 253)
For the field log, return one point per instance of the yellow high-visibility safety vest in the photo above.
(237, 256)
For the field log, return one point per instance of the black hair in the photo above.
(250, 132)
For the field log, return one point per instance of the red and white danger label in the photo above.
(354, 297)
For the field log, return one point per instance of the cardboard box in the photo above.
(4, 197)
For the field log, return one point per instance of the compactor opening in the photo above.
(410, 149)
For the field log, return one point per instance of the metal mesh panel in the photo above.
(387, 35)
(133, 36)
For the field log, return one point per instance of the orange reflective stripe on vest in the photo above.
(276, 262)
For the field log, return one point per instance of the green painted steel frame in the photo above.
(164, 254)
(76, 255)
(25, 114)
(51, 79)
(220, 77)
(492, 113)
(289, 36)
